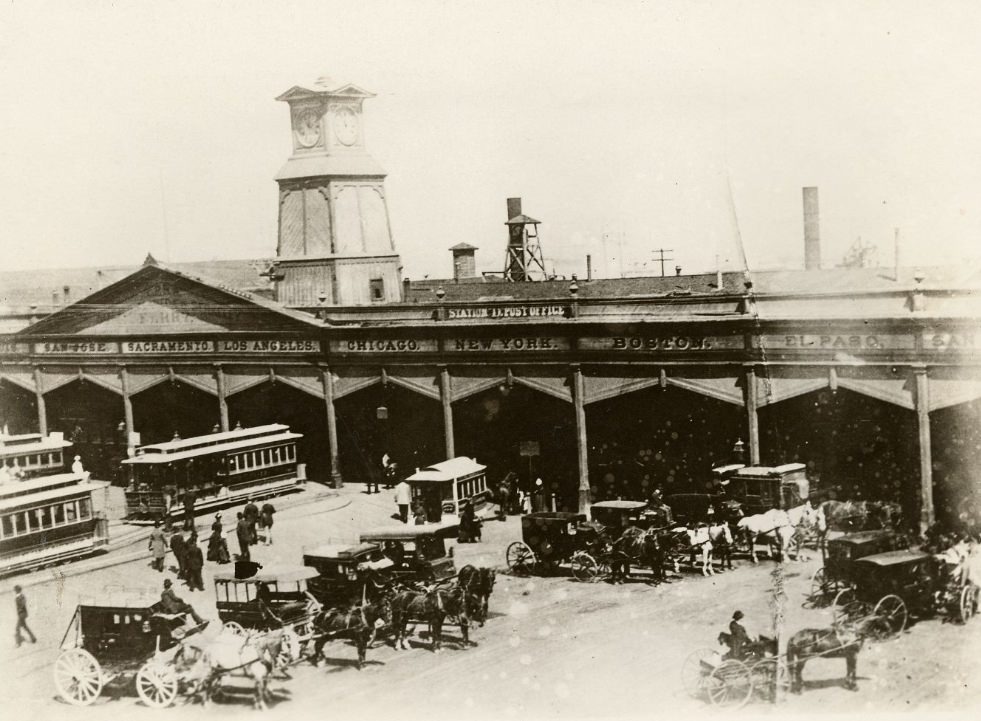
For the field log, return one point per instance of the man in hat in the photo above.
(77, 465)
(158, 546)
(179, 548)
(244, 534)
(173, 604)
(251, 512)
(738, 638)
(193, 563)
(403, 497)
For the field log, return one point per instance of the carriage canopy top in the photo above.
(859, 538)
(272, 574)
(621, 505)
(341, 551)
(771, 470)
(445, 529)
(894, 558)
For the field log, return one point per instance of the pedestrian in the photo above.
(217, 545)
(190, 497)
(403, 496)
(244, 538)
(251, 511)
(469, 525)
(77, 466)
(419, 512)
(503, 500)
(266, 521)
(179, 548)
(158, 546)
(21, 604)
(194, 562)
(389, 465)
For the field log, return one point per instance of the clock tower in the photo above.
(335, 243)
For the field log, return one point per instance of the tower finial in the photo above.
(150, 260)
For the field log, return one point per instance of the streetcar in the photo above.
(50, 519)
(447, 486)
(220, 469)
(29, 455)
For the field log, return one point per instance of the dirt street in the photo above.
(551, 648)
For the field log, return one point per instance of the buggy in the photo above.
(550, 538)
(123, 637)
(275, 597)
(890, 587)
(840, 555)
(729, 679)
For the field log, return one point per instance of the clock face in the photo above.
(346, 126)
(307, 128)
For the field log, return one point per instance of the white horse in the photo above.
(700, 540)
(778, 527)
(252, 655)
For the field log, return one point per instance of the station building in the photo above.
(603, 388)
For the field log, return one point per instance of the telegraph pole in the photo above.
(663, 258)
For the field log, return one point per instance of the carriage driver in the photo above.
(173, 604)
(738, 638)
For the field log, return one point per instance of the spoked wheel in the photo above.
(846, 609)
(520, 559)
(821, 587)
(78, 677)
(968, 602)
(770, 677)
(156, 684)
(696, 669)
(586, 568)
(234, 627)
(890, 617)
(730, 685)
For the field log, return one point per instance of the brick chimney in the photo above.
(464, 261)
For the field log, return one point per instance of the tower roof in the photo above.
(464, 246)
(323, 87)
(522, 220)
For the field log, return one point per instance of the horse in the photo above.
(480, 581)
(720, 536)
(700, 542)
(356, 623)
(836, 642)
(461, 604)
(777, 527)
(255, 655)
(637, 544)
(408, 603)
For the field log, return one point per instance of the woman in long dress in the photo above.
(217, 545)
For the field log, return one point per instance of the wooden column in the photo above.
(447, 399)
(582, 450)
(926, 464)
(752, 419)
(127, 410)
(42, 411)
(327, 380)
(222, 398)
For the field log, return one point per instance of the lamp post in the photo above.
(739, 451)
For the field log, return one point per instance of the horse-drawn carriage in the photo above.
(732, 679)
(549, 539)
(762, 488)
(123, 637)
(417, 553)
(890, 587)
(840, 555)
(272, 598)
(344, 569)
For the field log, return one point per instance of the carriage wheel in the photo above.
(696, 668)
(821, 587)
(234, 627)
(845, 608)
(770, 678)
(520, 558)
(156, 684)
(586, 568)
(730, 685)
(78, 677)
(968, 604)
(890, 616)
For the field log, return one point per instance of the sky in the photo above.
(136, 127)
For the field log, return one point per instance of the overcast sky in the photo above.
(151, 126)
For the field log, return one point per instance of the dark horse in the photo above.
(356, 623)
(461, 604)
(480, 581)
(425, 605)
(837, 642)
(648, 548)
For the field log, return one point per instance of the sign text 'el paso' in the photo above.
(842, 341)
